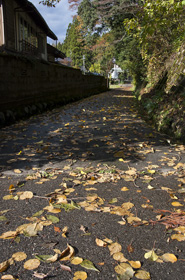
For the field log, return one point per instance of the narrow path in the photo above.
(117, 175)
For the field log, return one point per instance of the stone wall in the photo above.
(27, 83)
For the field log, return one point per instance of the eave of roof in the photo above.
(55, 52)
(37, 17)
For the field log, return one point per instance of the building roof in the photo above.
(37, 17)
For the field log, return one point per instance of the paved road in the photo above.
(117, 175)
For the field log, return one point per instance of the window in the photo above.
(27, 37)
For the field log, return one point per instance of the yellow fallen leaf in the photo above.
(8, 197)
(76, 260)
(8, 277)
(4, 266)
(179, 237)
(19, 256)
(142, 274)
(31, 264)
(26, 195)
(127, 205)
(80, 275)
(169, 257)
(18, 171)
(177, 204)
(135, 264)
(8, 234)
(64, 231)
(124, 269)
(119, 257)
(151, 255)
(180, 229)
(122, 223)
(132, 219)
(54, 210)
(124, 189)
(114, 248)
(53, 258)
(101, 243)
(109, 241)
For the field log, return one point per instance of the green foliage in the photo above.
(159, 28)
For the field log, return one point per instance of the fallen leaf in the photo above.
(4, 266)
(53, 219)
(26, 195)
(64, 231)
(8, 197)
(39, 275)
(169, 257)
(113, 200)
(18, 171)
(31, 264)
(88, 265)
(65, 267)
(8, 234)
(8, 277)
(3, 218)
(57, 229)
(47, 258)
(176, 204)
(114, 248)
(151, 255)
(19, 256)
(124, 189)
(125, 269)
(142, 274)
(130, 248)
(179, 237)
(76, 260)
(135, 264)
(119, 257)
(100, 242)
(80, 275)
(67, 254)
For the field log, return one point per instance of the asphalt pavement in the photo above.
(91, 191)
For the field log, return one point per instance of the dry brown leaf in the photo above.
(31, 264)
(65, 267)
(4, 266)
(64, 231)
(67, 254)
(114, 248)
(19, 256)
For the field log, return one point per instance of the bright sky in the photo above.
(57, 18)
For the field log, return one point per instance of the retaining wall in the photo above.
(27, 85)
